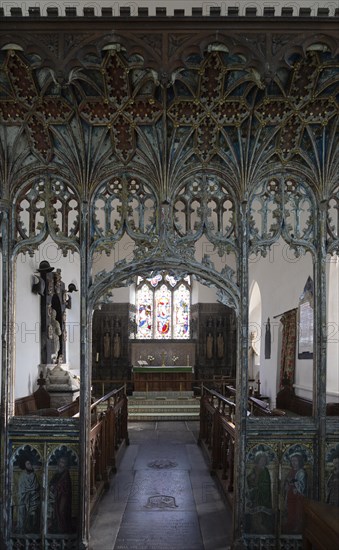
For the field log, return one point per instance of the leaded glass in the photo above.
(181, 306)
(172, 279)
(155, 280)
(144, 312)
(163, 301)
(163, 306)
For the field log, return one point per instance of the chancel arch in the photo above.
(208, 345)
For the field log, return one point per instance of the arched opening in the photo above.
(209, 347)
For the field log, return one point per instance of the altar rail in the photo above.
(100, 387)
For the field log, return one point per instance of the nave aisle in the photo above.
(163, 496)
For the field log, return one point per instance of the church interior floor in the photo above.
(162, 496)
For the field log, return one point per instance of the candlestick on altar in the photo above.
(188, 360)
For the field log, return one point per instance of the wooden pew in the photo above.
(287, 400)
(320, 526)
(39, 404)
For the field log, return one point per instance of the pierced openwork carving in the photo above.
(282, 208)
(205, 206)
(47, 207)
(124, 203)
(333, 222)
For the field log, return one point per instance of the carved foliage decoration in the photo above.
(123, 106)
(26, 105)
(282, 208)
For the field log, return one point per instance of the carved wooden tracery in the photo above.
(283, 208)
(46, 207)
(123, 205)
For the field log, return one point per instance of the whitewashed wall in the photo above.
(27, 321)
(281, 278)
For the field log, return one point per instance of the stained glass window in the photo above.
(163, 306)
(163, 301)
(144, 312)
(181, 304)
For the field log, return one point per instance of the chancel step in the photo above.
(163, 408)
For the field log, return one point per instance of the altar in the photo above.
(162, 378)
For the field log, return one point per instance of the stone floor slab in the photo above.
(163, 496)
(164, 454)
(159, 489)
(159, 530)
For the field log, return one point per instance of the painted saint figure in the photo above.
(116, 346)
(220, 345)
(107, 345)
(209, 346)
(259, 510)
(28, 518)
(60, 499)
(332, 486)
(295, 491)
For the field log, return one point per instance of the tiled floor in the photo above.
(162, 497)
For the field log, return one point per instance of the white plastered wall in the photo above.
(281, 278)
(27, 311)
(332, 381)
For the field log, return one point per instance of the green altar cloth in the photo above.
(159, 368)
